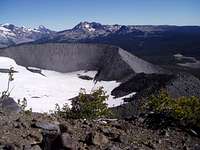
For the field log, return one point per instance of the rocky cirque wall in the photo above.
(112, 63)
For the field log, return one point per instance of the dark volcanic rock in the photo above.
(176, 85)
(181, 84)
(47, 126)
(96, 138)
(184, 85)
(84, 77)
(6, 147)
(9, 105)
(51, 135)
(142, 84)
(34, 70)
(89, 134)
(68, 142)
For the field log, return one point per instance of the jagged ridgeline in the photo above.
(111, 62)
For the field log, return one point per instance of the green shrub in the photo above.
(89, 106)
(63, 112)
(186, 109)
(23, 106)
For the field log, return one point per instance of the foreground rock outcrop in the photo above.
(39, 131)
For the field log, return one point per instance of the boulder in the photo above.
(85, 77)
(196, 147)
(51, 135)
(96, 138)
(6, 147)
(123, 139)
(36, 147)
(68, 142)
(8, 104)
(47, 126)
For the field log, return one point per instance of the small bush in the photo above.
(186, 109)
(23, 106)
(63, 112)
(86, 106)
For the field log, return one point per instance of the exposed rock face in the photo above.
(112, 62)
(143, 84)
(184, 85)
(138, 65)
(176, 85)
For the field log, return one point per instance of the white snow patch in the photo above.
(178, 55)
(4, 29)
(113, 102)
(195, 64)
(6, 32)
(87, 26)
(43, 92)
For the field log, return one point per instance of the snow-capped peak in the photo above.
(86, 26)
(11, 34)
(42, 28)
(8, 26)
(3, 29)
(97, 27)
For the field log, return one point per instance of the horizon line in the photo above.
(68, 28)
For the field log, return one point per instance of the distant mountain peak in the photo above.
(11, 34)
(42, 27)
(82, 26)
(8, 26)
(88, 26)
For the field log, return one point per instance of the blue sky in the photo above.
(64, 14)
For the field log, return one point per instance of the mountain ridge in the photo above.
(156, 44)
(68, 57)
(13, 35)
(82, 32)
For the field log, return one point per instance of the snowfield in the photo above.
(44, 90)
